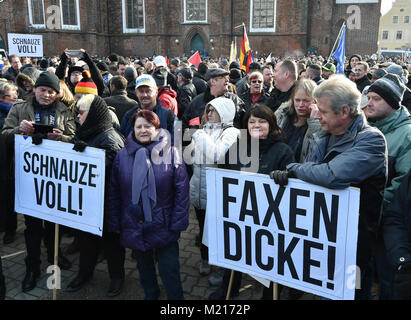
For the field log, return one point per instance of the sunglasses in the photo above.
(256, 81)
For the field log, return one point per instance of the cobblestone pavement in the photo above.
(195, 287)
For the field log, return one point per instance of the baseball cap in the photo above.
(160, 61)
(329, 67)
(145, 80)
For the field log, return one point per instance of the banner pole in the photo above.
(275, 291)
(56, 259)
(230, 284)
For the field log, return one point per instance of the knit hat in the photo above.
(48, 79)
(397, 69)
(379, 73)
(390, 88)
(86, 85)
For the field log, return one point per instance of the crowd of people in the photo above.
(332, 130)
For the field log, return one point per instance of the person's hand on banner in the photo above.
(79, 146)
(37, 138)
(280, 176)
(26, 127)
(55, 135)
(402, 282)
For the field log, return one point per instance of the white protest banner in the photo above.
(25, 45)
(302, 235)
(60, 185)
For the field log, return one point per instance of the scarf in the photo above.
(5, 106)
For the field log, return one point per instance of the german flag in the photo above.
(246, 56)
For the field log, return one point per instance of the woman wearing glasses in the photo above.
(255, 93)
(209, 145)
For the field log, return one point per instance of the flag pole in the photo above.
(336, 41)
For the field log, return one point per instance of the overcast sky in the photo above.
(386, 6)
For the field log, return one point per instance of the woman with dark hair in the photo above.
(294, 117)
(149, 203)
(96, 130)
(272, 153)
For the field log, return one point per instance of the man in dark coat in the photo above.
(147, 93)
(397, 237)
(186, 90)
(119, 99)
(217, 80)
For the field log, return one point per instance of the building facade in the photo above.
(177, 27)
(395, 27)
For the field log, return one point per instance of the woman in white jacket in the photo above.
(209, 146)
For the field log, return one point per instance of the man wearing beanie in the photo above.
(397, 69)
(41, 108)
(386, 113)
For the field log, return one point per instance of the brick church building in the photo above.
(176, 27)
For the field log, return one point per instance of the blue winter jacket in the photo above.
(171, 213)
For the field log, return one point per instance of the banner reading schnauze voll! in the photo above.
(60, 185)
(301, 235)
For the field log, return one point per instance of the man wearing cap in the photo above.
(160, 63)
(397, 69)
(386, 113)
(186, 90)
(42, 108)
(147, 94)
(328, 70)
(217, 86)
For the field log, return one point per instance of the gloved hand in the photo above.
(280, 177)
(79, 146)
(37, 138)
(401, 286)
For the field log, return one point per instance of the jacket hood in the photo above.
(225, 108)
(167, 91)
(399, 118)
(30, 74)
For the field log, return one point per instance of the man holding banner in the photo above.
(347, 152)
(43, 108)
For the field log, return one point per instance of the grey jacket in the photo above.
(360, 154)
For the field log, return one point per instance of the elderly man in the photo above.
(147, 94)
(285, 76)
(41, 108)
(347, 152)
(217, 81)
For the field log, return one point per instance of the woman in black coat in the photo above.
(96, 130)
(272, 153)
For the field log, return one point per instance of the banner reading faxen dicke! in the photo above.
(301, 235)
(57, 184)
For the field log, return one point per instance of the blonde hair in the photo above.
(85, 102)
(66, 95)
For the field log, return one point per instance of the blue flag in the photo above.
(339, 54)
